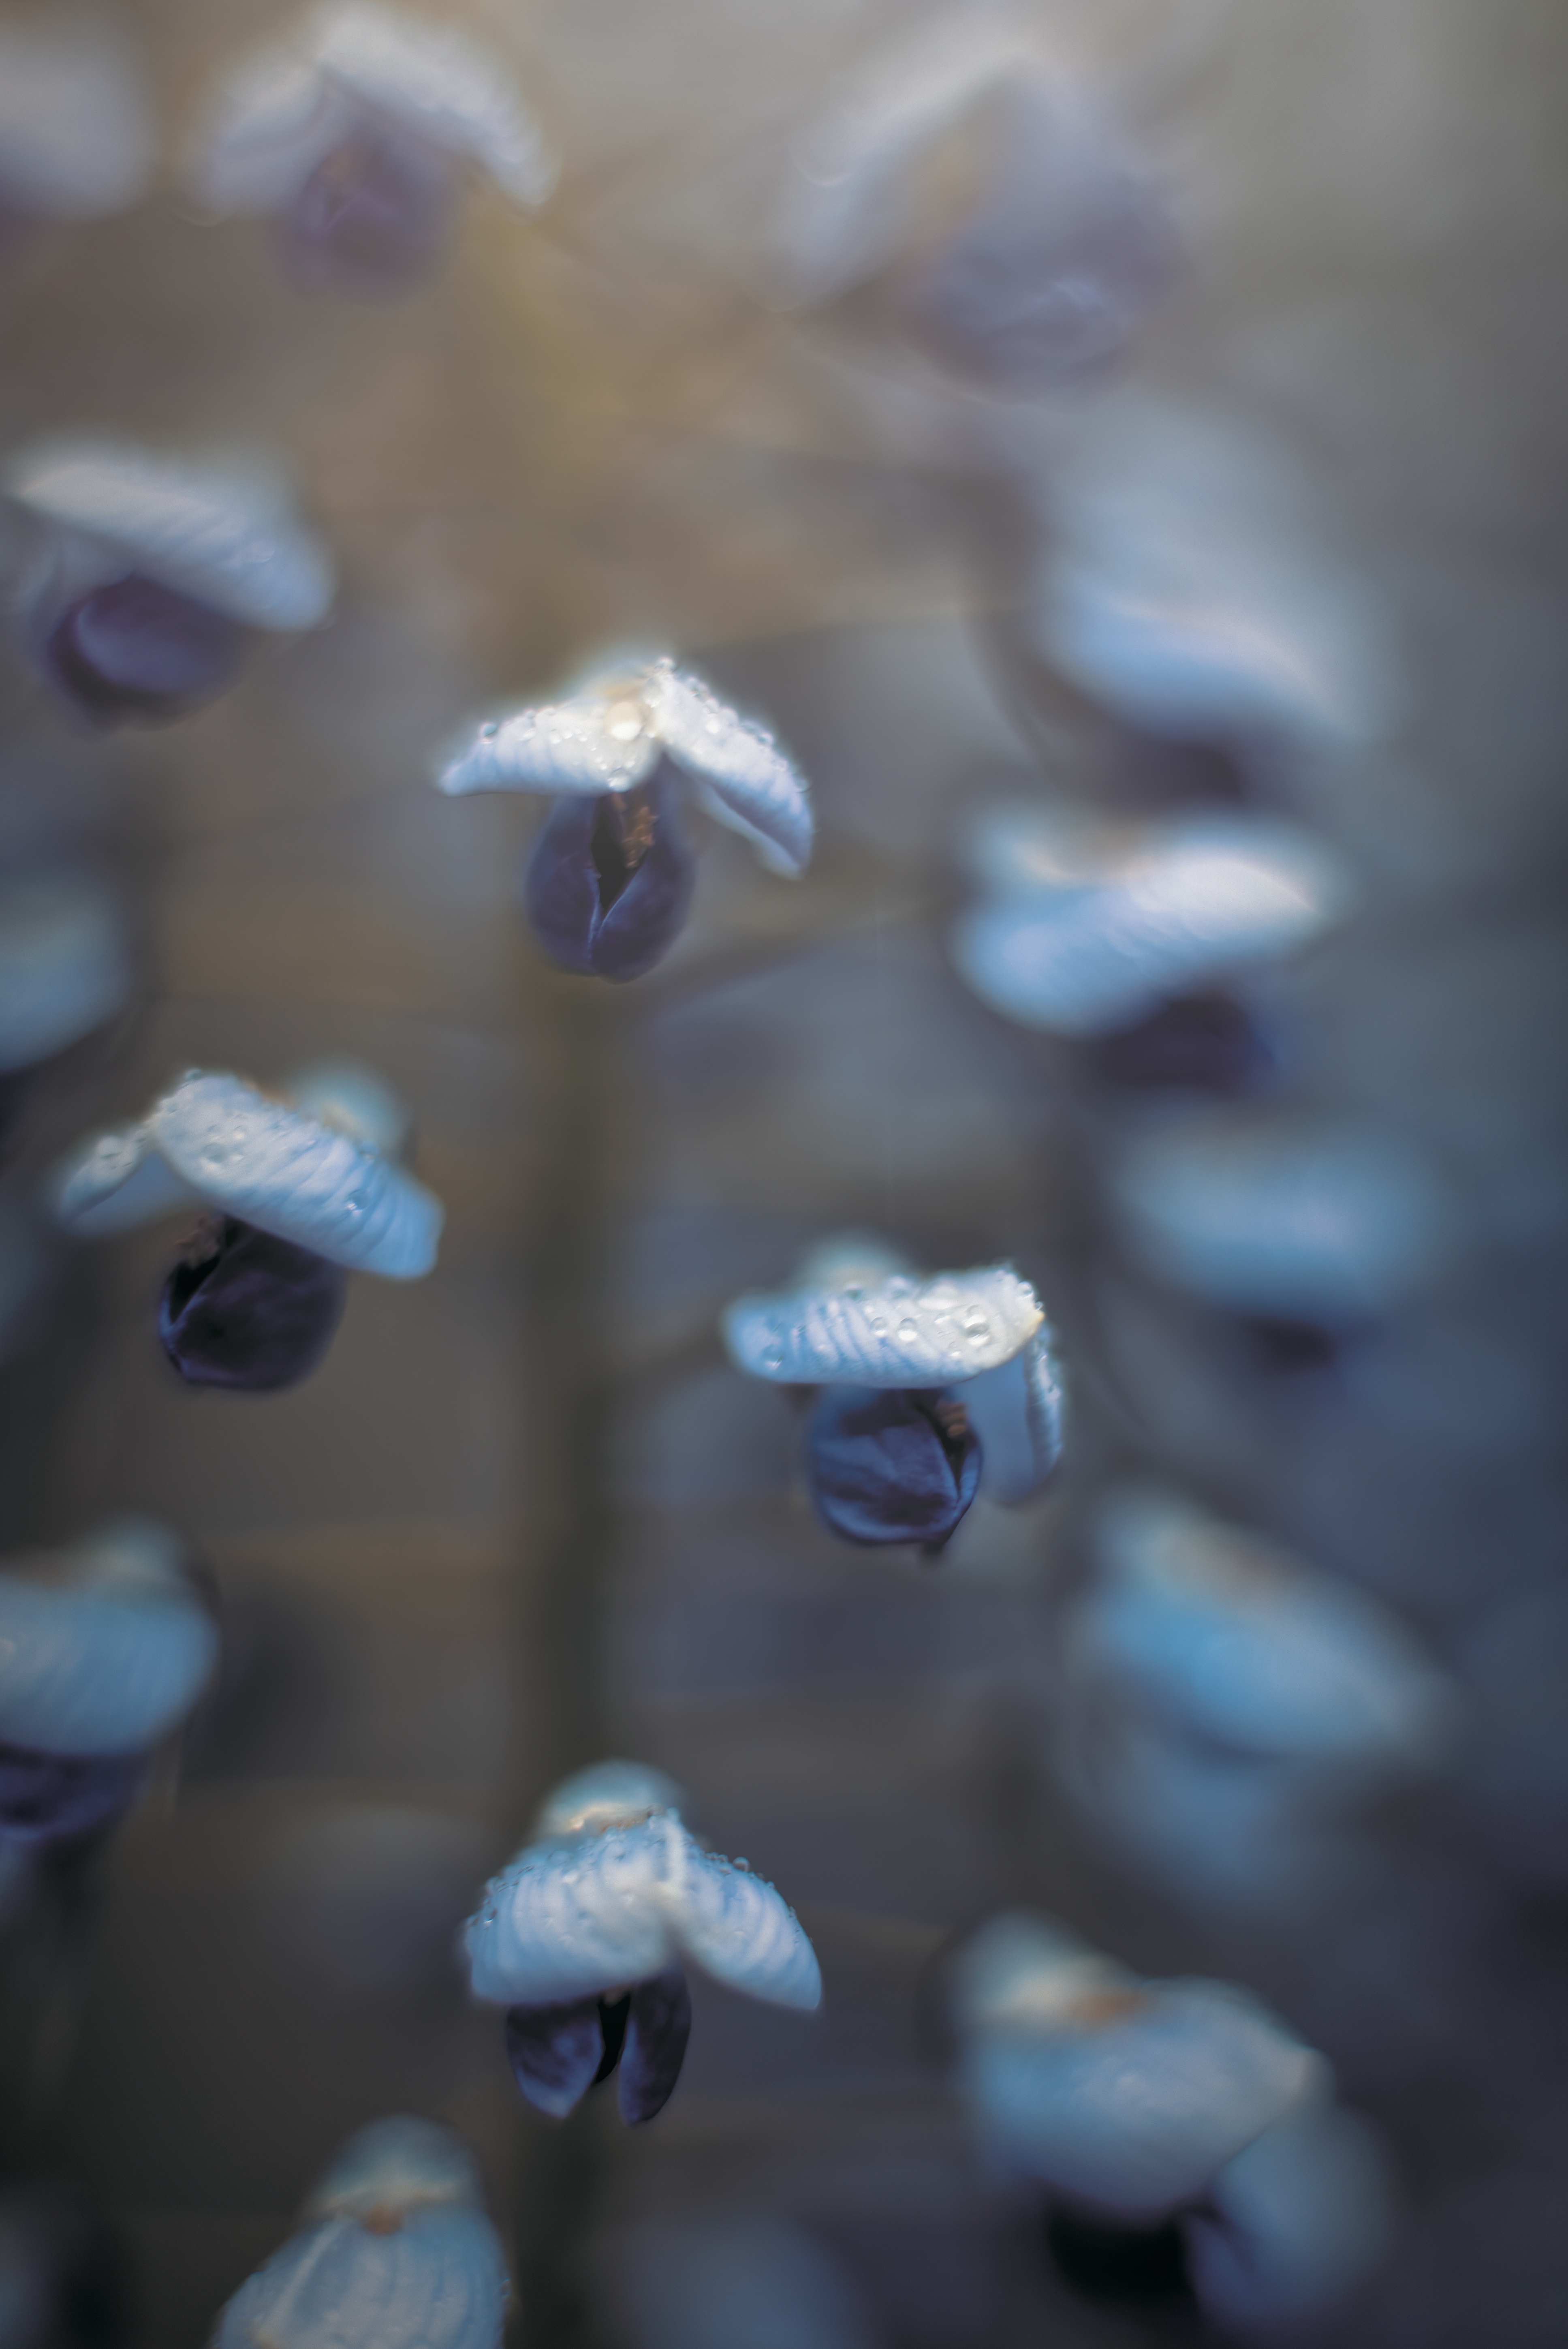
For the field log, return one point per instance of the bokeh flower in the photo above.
(611, 877)
(893, 1454)
(151, 573)
(355, 133)
(583, 1939)
(104, 1648)
(395, 2252)
(77, 134)
(292, 1203)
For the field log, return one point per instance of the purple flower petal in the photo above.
(658, 2025)
(374, 219)
(609, 883)
(50, 1797)
(555, 2052)
(256, 1312)
(135, 651)
(892, 1463)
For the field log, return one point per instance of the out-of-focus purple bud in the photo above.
(892, 1463)
(1297, 2219)
(1066, 251)
(103, 1648)
(244, 1309)
(612, 731)
(356, 132)
(150, 572)
(610, 881)
(1292, 1219)
(1087, 928)
(1188, 585)
(63, 969)
(395, 2253)
(580, 1939)
(77, 132)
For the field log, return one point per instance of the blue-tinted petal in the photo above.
(104, 1649)
(600, 740)
(1300, 2218)
(577, 1915)
(742, 775)
(607, 1793)
(555, 2052)
(901, 1331)
(738, 1929)
(48, 1798)
(1017, 1413)
(889, 1465)
(137, 650)
(657, 2028)
(436, 2280)
(255, 1313)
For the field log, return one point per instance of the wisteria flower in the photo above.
(1142, 2103)
(151, 574)
(357, 134)
(1098, 931)
(582, 1939)
(1188, 585)
(894, 1454)
(292, 1203)
(77, 134)
(395, 2252)
(611, 877)
(63, 969)
(1226, 1704)
(104, 1650)
(998, 207)
(1293, 1217)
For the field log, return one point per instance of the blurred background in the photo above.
(1250, 519)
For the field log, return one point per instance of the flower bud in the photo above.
(135, 651)
(610, 881)
(242, 1309)
(891, 1465)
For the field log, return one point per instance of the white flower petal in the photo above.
(272, 121)
(589, 744)
(741, 1931)
(741, 774)
(1137, 2111)
(117, 1181)
(1282, 1215)
(576, 1915)
(1019, 1411)
(440, 86)
(1220, 1631)
(63, 968)
(1303, 2215)
(1190, 903)
(98, 1666)
(395, 2164)
(222, 533)
(608, 1794)
(270, 1165)
(77, 132)
(905, 1333)
(438, 2281)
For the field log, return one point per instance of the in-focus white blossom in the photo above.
(63, 969)
(349, 68)
(1128, 2096)
(716, 2282)
(609, 733)
(623, 1894)
(217, 1142)
(1091, 925)
(1301, 2217)
(396, 2253)
(222, 530)
(77, 132)
(1284, 1215)
(104, 1647)
(1186, 584)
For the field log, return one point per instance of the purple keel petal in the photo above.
(49, 1798)
(256, 1313)
(892, 1463)
(136, 650)
(375, 221)
(657, 2028)
(555, 2052)
(610, 881)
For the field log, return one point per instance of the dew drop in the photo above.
(908, 1332)
(773, 1358)
(488, 731)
